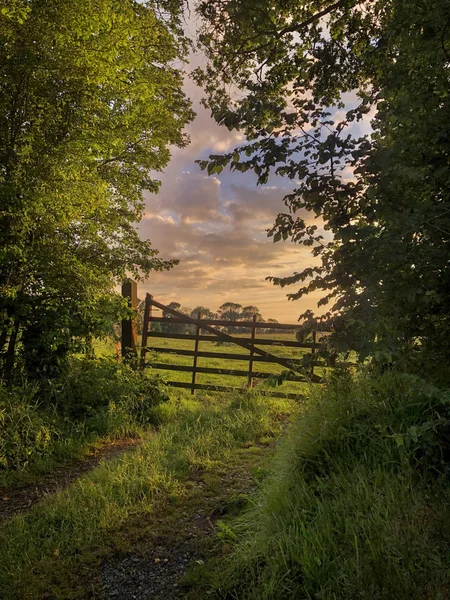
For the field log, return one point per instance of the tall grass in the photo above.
(47, 423)
(43, 553)
(357, 506)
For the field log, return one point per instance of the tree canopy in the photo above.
(91, 100)
(381, 233)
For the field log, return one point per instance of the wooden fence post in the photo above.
(129, 326)
(197, 343)
(250, 362)
(147, 314)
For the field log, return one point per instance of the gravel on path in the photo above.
(154, 570)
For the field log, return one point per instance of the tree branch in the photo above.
(312, 19)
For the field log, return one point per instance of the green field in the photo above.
(277, 349)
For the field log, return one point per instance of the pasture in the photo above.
(107, 348)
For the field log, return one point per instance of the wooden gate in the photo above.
(210, 326)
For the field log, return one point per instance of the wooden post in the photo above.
(129, 326)
(250, 362)
(313, 350)
(197, 343)
(147, 314)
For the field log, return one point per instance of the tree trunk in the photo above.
(3, 338)
(10, 356)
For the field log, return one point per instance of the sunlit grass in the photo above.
(357, 503)
(43, 553)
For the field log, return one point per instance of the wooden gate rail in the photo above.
(225, 388)
(181, 318)
(255, 354)
(210, 338)
(227, 355)
(220, 371)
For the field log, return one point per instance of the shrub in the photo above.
(357, 505)
(93, 398)
(25, 431)
(90, 385)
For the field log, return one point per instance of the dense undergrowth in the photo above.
(48, 552)
(358, 503)
(44, 423)
(355, 507)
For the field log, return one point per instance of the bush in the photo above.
(25, 431)
(357, 506)
(93, 398)
(90, 385)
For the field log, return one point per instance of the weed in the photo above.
(24, 430)
(41, 426)
(225, 533)
(90, 385)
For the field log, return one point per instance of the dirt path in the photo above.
(19, 500)
(163, 566)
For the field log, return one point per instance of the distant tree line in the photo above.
(229, 311)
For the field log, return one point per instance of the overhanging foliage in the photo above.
(277, 71)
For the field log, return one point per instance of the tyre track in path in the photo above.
(14, 501)
(181, 539)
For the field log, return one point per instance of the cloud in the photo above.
(247, 205)
(192, 197)
(229, 262)
(217, 227)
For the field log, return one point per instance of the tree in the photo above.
(90, 101)
(178, 328)
(381, 201)
(206, 313)
(248, 312)
(269, 329)
(230, 311)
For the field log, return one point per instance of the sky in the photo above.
(217, 227)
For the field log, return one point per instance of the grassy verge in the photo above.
(49, 552)
(358, 502)
(47, 424)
